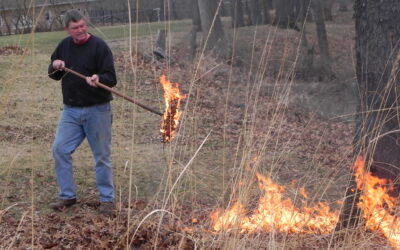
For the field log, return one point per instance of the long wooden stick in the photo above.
(101, 85)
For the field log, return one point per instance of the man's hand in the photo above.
(92, 80)
(58, 64)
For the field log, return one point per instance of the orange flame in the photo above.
(277, 214)
(274, 213)
(172, 113)
(377, 205)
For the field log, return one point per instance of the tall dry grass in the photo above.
(205, 167)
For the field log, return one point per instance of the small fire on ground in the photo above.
(275, 213)
(172, 113)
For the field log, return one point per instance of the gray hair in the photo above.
(73, 16)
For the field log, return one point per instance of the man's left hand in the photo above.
(92, 80)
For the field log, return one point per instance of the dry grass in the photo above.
(161, 187)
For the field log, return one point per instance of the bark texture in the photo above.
(211, 26)
(377, 66)
(325, 59)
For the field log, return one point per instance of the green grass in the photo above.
(45, 42)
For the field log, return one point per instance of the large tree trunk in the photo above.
(254, 12)
(211, 26)
(237, 13)
(325, 60)
(328, 10)
(377, 136)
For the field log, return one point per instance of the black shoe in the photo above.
(106, 208)
(61, 205)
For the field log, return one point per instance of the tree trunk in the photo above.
(325, 60)
(305, 11)
(343, 5)
(295, 12)
(284, 17)
(174, 13)
(281, 13)
(161, 39)
(6, 22)
(196, 21)
(211, 26)
(162, 10)
(237, 13)
(307, 55)
(377, 136)
(328, 10)
(192, 41)
(269, 3)
(171, 10)
(266, 18)
(254, 12)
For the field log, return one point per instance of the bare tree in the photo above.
(254, 12)
(237, 13)
(325, 60)
(196, 20)
(5, 18)
(327, 5)
(196, 27)
(377, 68)
(343, 5)
(173, 15)
(266, 7)
(286, 15)
(211, 26)
(305, 11)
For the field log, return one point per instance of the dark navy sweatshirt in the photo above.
(92, 57)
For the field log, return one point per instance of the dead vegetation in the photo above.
(297, 148)
(12, 50)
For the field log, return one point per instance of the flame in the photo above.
(172, 113)
(274, 213)
(377, 205)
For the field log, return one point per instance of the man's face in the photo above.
(77, 30)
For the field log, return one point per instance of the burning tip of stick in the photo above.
(172, 113)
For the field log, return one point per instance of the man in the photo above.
(87, 111)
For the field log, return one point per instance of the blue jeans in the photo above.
(75, 124)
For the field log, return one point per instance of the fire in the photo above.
(172, 114)
(274, 213)
(377, 205)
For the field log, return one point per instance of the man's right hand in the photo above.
(58, 64)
